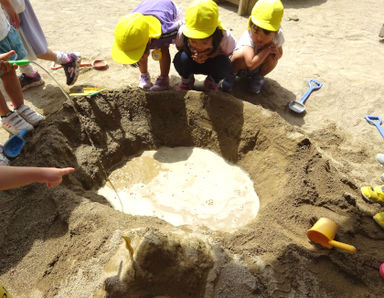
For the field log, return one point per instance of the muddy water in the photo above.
(184, 185)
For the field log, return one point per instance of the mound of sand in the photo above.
(71, 239)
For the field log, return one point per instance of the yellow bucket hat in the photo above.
(267, 14)
(201, 19)
(132, 34)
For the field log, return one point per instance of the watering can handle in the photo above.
(313, 85)
(343, 246)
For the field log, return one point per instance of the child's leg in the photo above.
(4, 110)
(186, 68)
(11, 121)
(238, 61)
(162, 82)
(145, 78)
(184, 65)
(268, 65)
(13, 89)
(217, 69)
(143, 63)
(165, 61)
(52, 56)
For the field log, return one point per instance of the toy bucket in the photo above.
(323, 232)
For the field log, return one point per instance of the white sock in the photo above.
(62, 58)
(27, 70)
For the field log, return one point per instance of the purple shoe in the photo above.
(71, 68)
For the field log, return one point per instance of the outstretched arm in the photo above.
(12, 177)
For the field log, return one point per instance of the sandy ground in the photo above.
(67, 241)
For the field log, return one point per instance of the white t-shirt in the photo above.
(246, 40)
(4, 25)
(18, 5)
(227, 43)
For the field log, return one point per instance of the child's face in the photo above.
(200, 45)
(259, 37)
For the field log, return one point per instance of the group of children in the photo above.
(22, 36)
(204, 45)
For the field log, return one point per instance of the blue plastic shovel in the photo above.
(13, 146)
(375, 120)
(298, 106)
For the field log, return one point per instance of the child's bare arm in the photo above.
(13, 16)
(11, 177)
(253, 60)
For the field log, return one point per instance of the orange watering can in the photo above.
(323, 232)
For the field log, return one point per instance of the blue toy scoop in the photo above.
(298, 106)
(14, 145)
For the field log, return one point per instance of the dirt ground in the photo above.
(68, 242)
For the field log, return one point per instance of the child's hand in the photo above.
(53, 176)
(4, 65)
(200, 57)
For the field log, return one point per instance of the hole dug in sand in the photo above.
(67, 241)
(184, 186)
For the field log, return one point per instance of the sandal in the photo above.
(373, 194)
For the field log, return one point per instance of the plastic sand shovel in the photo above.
(298, 106)
(323, 232)
(18, 62)
(375, 120)
(89, 92)
(13, 146)
(96, 64)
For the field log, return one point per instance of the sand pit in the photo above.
(184, 186)
(71, 238)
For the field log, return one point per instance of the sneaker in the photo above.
(14, 124)
(210, 85)
(4, 161)
(161, 84)
(71, 68)
(29, 115)
(228, 82)
(373, 194)
(145, 81)
(379, 219)
(186, 84)
(27, 82)
(255, 83)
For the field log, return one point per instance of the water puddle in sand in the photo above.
(184, 185)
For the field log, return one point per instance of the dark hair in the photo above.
(266, 32)
(217, 36)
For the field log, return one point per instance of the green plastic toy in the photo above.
(19, 62)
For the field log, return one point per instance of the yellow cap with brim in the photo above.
(201, 19)
(267, 14)
(132, 34)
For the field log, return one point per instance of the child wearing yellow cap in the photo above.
(153, 25)
(259, 48)
(204, 46)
